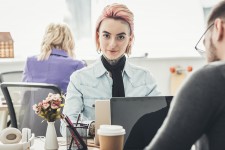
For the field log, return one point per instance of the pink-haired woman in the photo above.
(111, 75)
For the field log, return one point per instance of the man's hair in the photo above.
(57, 36)
(218, 11)
(116, 11)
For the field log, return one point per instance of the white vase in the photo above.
(51, 142)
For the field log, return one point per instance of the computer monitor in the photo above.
(130, 112)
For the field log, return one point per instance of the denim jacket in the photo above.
(94, 83)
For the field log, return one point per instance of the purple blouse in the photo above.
(56, 70)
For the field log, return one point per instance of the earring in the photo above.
(99, 51)
(128, 50)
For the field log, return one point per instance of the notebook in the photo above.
(126, 111)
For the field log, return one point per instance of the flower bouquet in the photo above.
(49, 109)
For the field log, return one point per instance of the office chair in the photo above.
(11, 76)
(20, 97)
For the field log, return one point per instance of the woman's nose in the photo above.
(112, 43)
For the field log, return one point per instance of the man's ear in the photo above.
(220, 28)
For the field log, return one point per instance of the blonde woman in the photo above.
(56, 61)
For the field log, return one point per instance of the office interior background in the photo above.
(165, 31)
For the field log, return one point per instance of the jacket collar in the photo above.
(59, 52)
(100, 70)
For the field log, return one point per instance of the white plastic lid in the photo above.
(111, 130)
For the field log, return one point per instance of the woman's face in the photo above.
(114, 37)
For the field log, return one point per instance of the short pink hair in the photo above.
(116, 11)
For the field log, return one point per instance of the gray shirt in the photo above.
(197, 111)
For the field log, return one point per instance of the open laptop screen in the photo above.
(140, 116)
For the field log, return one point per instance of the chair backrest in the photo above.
(20, 97)
(11, 76)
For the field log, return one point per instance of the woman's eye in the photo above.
(121, 37)
(106, 36)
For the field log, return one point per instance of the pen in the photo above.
(74, 138)
(71, 132)
(78, 118)
(79, 141)
(71, 143)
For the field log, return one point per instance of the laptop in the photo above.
(102, 116)
(126, 111)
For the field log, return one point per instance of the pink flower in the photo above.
(45, 105)
(46, 101)
(55, 104)
(35, 107)
(40, 104)
(50, 95)
(49, 108)
(56, 97)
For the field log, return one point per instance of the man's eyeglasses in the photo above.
(200, 44)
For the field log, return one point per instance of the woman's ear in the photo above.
(97, 39)
(128, 50)
(97, 34)
(131, 39)
(219, 27)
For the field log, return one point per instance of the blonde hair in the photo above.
(57, 36)
(116, 11)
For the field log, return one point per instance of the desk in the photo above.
(3, 116)
(39, 144)
(3, 107)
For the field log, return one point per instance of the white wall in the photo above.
(26, 20)
(159, 67)
(11, 64)
(162, 28)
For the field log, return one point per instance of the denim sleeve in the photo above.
(73, 102)
(151, 85)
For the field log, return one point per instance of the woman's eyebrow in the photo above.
(105, 32)
(122, 33)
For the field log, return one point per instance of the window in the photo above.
(162, 28)
(26, 20)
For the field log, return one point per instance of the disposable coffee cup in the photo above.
(111, 137)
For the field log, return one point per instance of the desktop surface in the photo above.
(40, 142)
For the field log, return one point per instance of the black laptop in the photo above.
(140, 116)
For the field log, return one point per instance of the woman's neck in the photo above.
(112, 61)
